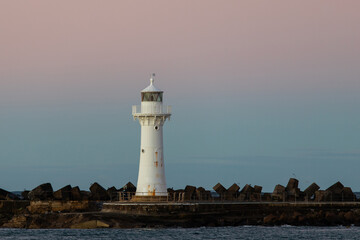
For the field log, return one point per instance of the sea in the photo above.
(241, 232)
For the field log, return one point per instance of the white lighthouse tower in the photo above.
(152, 116)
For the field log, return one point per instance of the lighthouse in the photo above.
(152, 116)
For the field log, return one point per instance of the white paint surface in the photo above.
(152, 116)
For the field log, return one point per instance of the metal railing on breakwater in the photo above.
(235, 197)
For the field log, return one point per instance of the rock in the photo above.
(349, 217)
(348, 195)
(326, 196)
(76, 194)
(127, 192)
(63, 194)
(219, 189)
(113, 193)
(242, 197)
(256, 195)
(257, 189)
(12, 197)
(171, 194)
(44, 207)
(5, 195)
(247, 189)
(85, 195)
(208, 195)
(190, 192)
(189, 188)
(179, 195)
(333, 219)
(25, 195)
(18, 221)
(270, 219)
(336, 192)
(202, 194)
(279, 189)
(234, 188)
(232, 192)
(319, 196)
(90, 225)
(310, 191)
(98, 193)
(247, 192)
(292, 189)
(284, 218)
(279, 193)
(292, 184)
(301, 196)
(266, 197)
(129, 187)
(336, 188)
(41, 192)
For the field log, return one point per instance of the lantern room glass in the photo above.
(151, 96)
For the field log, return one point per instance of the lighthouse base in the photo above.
(150, 198)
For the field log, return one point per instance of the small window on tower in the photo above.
(142, 150)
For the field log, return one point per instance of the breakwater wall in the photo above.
(234, 213)
(73, 214)
(70, 207)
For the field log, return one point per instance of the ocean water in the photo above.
(242, 232)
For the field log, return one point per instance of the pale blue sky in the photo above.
(261, 91)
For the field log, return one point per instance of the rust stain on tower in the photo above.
(156, 162)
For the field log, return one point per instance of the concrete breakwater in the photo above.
(198, 214)
(70, 207)
(89, 214)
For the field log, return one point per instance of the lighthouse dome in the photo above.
(151, 87)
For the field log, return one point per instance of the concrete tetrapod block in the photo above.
(218, 188)
(256, 196)
(85, 195)
(25, 195)
(98, 193)
(232, 192)
(190, 192)
(323, 196)
(292, 184)
(279, 193)
(336, 188)
(76, 194)
(292, 190)
(202, 194)
(310, 191)
(5, 195)
(42, 192)
(257, 189)
(63, 193)
(233, 188)
(113, 193)
(129, 187)
(247, 189)
(348, 195)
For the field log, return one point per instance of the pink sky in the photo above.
(77, 49)
(260, 90)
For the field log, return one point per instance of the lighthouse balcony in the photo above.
(138, 110)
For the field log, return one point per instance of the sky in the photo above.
(261, 91)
